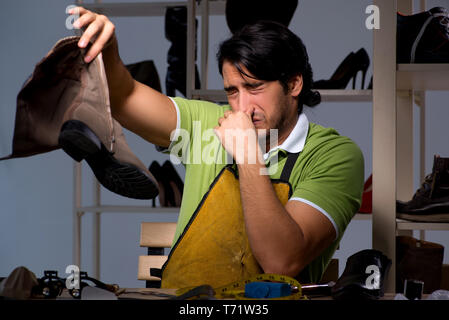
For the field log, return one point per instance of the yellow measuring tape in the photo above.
(236, 290)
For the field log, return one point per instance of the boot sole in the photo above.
(435, 217)
(80, 142)
(437, 207)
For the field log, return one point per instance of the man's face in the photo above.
(267, 102)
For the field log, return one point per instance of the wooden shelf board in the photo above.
(423, 76)
(147, 9)
(346, 95)
(412, 225)
(363, 216)
(219, 96)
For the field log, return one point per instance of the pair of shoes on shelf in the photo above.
(431, 201)
(170, 183)
(176, 33)
(65, 104)
(364, 276)
(347, 70)
(423, 37)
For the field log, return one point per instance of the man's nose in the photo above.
(244, 102)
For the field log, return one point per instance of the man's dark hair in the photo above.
(270, 52)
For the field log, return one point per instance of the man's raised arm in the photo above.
(136, 106)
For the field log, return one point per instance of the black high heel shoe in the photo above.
(170, 183)
(175, 182)
(347, 70)
(370, 85)
(165, 192)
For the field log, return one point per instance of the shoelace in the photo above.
(444, 22)
(426, 186)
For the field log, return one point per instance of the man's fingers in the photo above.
(77, 10)
(90, 33)
(100, 42)
(82, 15)
(84, 20)
(97, 29)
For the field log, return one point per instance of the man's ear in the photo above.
(295, 85)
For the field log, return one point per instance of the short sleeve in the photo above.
(333, 183)
(195, 122)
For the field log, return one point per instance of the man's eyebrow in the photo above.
(250, 85)
(253, 85)
(230, 88)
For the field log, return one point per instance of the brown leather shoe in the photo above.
(65, 103)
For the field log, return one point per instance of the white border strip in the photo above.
(178, 124)
(320, 210)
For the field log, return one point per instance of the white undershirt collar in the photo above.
(296, 139)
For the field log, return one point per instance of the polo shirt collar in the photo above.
(296, 139)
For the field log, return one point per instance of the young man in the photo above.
(235, 220)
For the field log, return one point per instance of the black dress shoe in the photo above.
(363, 277)
(423, 37)
(347, 70)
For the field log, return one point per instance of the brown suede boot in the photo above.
(65, 103)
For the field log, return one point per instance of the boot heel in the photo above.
(78, 140)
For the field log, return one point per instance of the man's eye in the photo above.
(256, 90)
(231, 92)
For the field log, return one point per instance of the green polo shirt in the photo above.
(328, 174)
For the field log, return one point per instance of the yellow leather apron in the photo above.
(214, 248)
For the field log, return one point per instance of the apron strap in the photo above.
(303, 276)
(288, 167)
